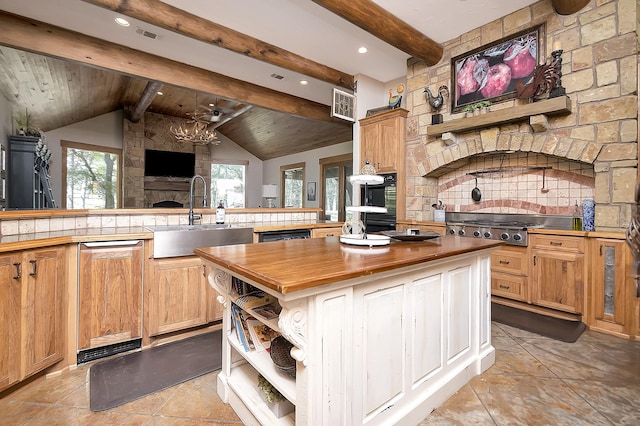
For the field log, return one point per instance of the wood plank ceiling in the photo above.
(59, 93)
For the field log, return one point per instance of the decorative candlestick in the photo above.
(557, 90)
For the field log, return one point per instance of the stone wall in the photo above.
(592, 152)
(151, 132)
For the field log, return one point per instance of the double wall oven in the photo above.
(381, 195)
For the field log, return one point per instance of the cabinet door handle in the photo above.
(534, 260)
(18, 274)
(600, 249)
(505, 286)
(111, 243)
(504, 262)
(34, 267)
(556, 243)
(204, 271)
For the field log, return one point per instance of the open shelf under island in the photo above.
(381, 335)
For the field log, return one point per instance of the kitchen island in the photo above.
(381, 335)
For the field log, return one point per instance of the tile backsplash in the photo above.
(509, 187)
(110, 220)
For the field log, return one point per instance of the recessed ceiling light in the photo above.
(160, 93)
(122, 21)
(304, 82)
(362, 50)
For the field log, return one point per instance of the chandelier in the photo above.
(195, 129)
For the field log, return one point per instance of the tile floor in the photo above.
(535, 381)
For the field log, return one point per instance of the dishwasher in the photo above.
(291, 234)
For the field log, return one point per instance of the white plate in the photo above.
(366, 179)
(367, 209)
(371, 240)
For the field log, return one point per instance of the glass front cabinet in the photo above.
(613, 298)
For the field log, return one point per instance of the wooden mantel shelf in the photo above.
(554, 106)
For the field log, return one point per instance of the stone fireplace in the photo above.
(589, 152)
(151, 132)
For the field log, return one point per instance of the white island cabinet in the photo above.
(381, 335)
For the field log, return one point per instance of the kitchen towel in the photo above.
(126, 378)
(588, 215)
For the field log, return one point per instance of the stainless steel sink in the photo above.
(181, 240)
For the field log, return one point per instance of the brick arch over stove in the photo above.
(493, 141)
(569, 176)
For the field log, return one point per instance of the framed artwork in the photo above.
(311, 191)
(490, 73)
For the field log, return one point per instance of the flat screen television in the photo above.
(169, 163)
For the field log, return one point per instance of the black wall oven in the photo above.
(381, 195)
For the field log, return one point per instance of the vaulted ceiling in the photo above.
(227, 54)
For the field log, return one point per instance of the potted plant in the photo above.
(26, 124)
(468, 110)
(278, 404)
(483, 106)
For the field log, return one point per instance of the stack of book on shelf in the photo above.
(249, 304)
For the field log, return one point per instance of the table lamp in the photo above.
(270, 192)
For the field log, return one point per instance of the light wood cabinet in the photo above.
(110, 293)
(382, 143)
(178, 295)
(558, 272)
(326, 232)
(509, 269)
(10, 291)
(32, 289)
(612, 298)
(382, 140)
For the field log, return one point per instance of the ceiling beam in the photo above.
(148, 95)
(38, 37)
(171, 18)
(568, 7)
(387, 27)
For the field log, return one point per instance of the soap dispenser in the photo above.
(220, 213)
(577, 218)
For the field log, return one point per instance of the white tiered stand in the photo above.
(365, 239)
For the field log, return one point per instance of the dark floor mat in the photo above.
(123, 379)
(554, 328)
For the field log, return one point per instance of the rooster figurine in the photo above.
(544, 78)
(437, 101)
(394, 101)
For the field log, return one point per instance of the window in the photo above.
(228, 183)
(292, 184)
(92, 176)
(337, 191)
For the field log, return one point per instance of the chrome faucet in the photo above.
(193, 217)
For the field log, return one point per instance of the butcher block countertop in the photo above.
(294, 265)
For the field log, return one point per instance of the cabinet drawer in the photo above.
(325, 232)
(556, 242)
(510, 262)
(510, 286)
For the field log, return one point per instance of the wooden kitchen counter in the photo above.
(294, 265)
(47, 239)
